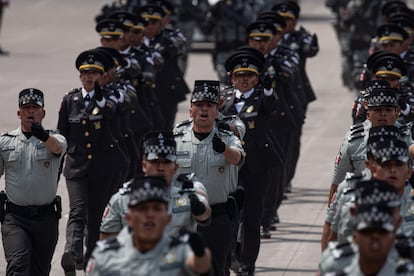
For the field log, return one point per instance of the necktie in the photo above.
(86, 100)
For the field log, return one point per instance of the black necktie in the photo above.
(238, 100)
(86, 100)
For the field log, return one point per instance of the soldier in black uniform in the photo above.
(253, 104)
(89, 168)
(171, 87)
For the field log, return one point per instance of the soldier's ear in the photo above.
(18, 114)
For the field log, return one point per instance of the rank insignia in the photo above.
(46, 164)
(221, 169)
(250, 124)
(181, 201)
(95, 111)
(250, 109)
(169, 258)
(97, 125)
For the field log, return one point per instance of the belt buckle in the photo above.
(34, 211)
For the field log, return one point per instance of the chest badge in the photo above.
(250, 109)
(169, 258)
(95, 111)
(97, 125)
(250, 124)
(181, 201)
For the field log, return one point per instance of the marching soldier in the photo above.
(145, 247)
(253, 104)
(187, 200)
(89, 169)
(29, 209)
(215, 156)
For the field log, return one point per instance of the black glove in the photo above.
(197, 244)
(39, 132)
(218, 145)
(267, 82)
(98, 92)
(197, 207)
(314, 44)
(223, 125)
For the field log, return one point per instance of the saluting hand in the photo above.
(39, 132)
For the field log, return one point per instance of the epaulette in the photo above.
(225, 131)
(406, 128)
(356, 132)
(108, 244)
(184, 123)
(53, 131)
(342, 249)
(74, 90)
(126, 187)
(353, 175)
(356, 126)
(8, 134)
(405, 266)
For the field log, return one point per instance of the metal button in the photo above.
(89, 156)
(88, 145)
(83, 122)
(86, 133)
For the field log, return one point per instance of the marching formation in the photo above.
(368, 228)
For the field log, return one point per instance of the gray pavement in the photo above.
(45, 36)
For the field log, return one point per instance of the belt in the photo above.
(31, 211)
(219, 209)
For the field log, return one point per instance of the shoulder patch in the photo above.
(108, 244)
(357, 126)
(357, 132)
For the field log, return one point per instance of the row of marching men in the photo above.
(127, 84)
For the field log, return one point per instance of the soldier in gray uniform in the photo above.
(382, 110)
(145, 248)
(215, 156)
(30, 158)
(188, 198)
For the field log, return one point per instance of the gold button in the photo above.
(90, 156)
(83, 122)
(86, 133)
(88, 145)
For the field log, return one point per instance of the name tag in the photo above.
(182, 152)
(357, 157)
(409, 218)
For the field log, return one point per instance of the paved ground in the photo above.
(45, 36)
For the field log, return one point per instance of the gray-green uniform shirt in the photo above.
(407, 213)
(352, 154)
(113, 219)
(118, 256)
(31, 171)
(211, 168)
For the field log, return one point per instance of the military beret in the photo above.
(261, 30)
(160, 144)
(31, 95)
(91, 60)
(206, 90)
(271, 16)
(387, 33)
(289, 9)
(110, 28)
(245, 61)
(126, 18)
(148, 189)
(151, 12)
(383, 97)
(388, 65)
